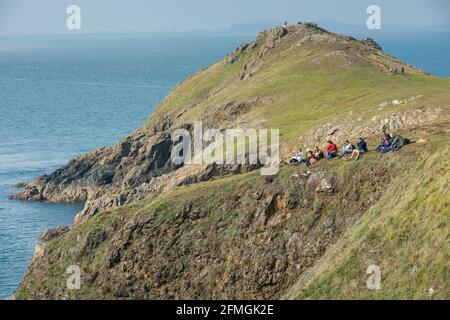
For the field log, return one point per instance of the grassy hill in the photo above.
(306, 233)
(304, 79)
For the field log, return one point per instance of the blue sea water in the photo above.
(429, 51)
(65, 95)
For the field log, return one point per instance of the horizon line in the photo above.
(228, 29)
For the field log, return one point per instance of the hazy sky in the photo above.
(49, 16)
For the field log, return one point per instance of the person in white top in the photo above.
(346, 149)
(299, 157)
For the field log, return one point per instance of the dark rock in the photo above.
(113, 258)
(20, 185)
(373, 44)
(53, 233)
(121, 290)
(101, 177)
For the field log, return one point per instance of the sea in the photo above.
(63, 95)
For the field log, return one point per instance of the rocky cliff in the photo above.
(153, 229)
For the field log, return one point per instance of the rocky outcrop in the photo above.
(20, 185)
(53, 233)
(227, 114)
(108, 172)
(353, 127)
(268, 39)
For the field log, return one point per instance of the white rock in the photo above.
(38, 251)
(325, 185)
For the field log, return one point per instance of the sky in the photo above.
(49, 16)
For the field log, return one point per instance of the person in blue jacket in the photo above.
(361, 148)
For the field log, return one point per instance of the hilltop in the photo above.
(152, 229)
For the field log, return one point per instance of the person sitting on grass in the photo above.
(298, 158)
(309, 159)
(398, 141)
(346, 149)
(318, 154)
(332, 150)
(362, 148)
(387, 136)
(384, 146)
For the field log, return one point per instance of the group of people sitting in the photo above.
(392, 143)
(388, 143)
(331, 152)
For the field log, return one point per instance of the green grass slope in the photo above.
(407, 235)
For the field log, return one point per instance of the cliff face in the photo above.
(219, 231)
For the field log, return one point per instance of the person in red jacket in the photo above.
(332, 150)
